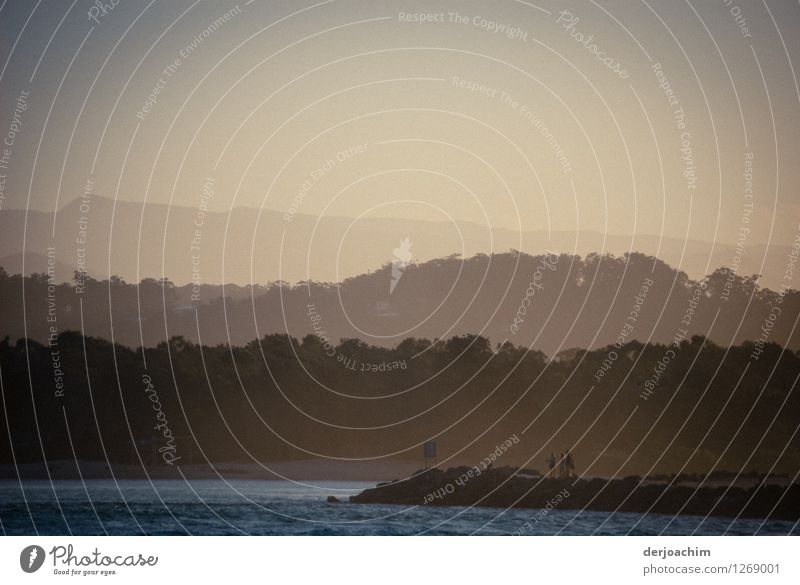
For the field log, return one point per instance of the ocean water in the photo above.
(208, 507)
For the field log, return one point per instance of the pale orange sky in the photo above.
(262, 103)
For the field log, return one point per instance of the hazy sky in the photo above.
(500, 113)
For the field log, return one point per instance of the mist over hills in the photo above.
(135, 241)
(549, 303)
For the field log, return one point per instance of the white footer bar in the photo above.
(389, 560)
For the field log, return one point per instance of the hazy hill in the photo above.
(576, 303)
(136, 241)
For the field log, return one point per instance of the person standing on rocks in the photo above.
(551, 463)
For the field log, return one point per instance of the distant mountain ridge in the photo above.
(247, 246)
(550, 303)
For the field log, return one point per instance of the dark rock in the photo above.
(503, 487)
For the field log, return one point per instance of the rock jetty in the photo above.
(510, 487)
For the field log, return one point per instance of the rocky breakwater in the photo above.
(509, 487)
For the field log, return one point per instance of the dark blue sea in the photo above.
(210, 507)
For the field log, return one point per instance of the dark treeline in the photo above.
(578, 302)
(280, 398)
